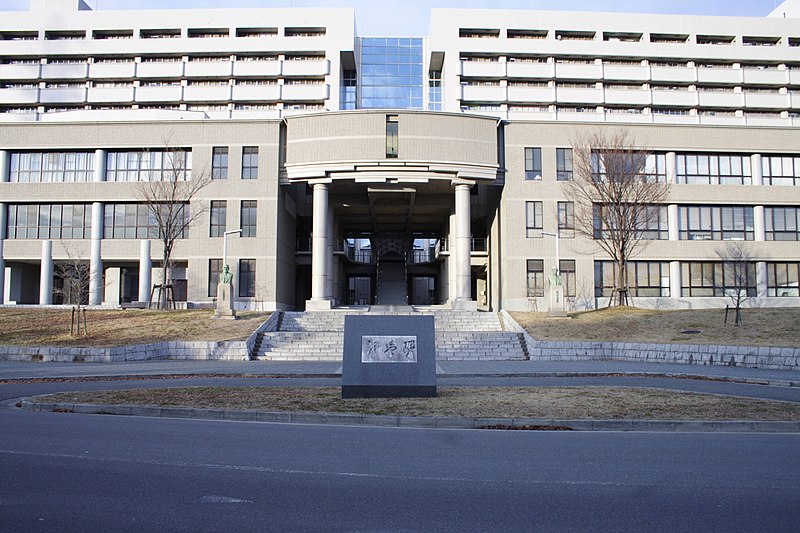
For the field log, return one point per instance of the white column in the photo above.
(761, 279)
(462, 247)
(756, 169)
(3, 212)
(99, 165)
(675, 279)
(759, 226)
(96, 264)
(5, 171)
(673, 221)
(672, 168)
(331, 243)
(46, 277)
(145, 271)
(319, 249)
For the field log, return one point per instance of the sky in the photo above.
(410, 17)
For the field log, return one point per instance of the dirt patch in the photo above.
(483, 402)
(109, 328)
(762, 327)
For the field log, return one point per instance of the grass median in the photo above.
(597, 403)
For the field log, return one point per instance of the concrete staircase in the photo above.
(460, 336)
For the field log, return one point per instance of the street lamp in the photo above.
(225, 245)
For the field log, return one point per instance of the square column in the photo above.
(46, 278)
(756, 169)
(461, 253)
(319, 250)
(673, 223)
(5, 169)
(672, 167)
(759, 227)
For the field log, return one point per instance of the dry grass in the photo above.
(50, 327)
(762, 327)
(506, 402)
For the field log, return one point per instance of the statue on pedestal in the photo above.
(556, 309)
(225, 298)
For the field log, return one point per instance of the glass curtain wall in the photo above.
(391, 73)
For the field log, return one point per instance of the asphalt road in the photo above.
(68, 472)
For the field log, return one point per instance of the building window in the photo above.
(49, 221)
(650, 168)
(135, 221)
(214, 270)
(713, 168)
(391, 136)
(219, 214)
(566, 267)
(347, 99)
(711, 279)
(46, 167)
(782, 223)
(563, 164)
(652, 223)
(219, 163)
(435, 90)
(250, 163)
(248, 218)
(535, 278)
(391, 73)
(149, 165)
(566, 219)
(645, 278)
(533, 163)
(783, 279)
(247, 278)
(533, 219)
(778, 170)
(717, 223)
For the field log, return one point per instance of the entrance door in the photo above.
(423, 290)
(360, 290)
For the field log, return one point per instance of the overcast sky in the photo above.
(410, 17)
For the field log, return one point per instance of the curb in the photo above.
(552, 374)
(239, 415)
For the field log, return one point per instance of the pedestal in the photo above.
(225, 301)
(556, 309)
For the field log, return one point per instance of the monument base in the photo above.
(388, 391)
(229, 314)
(225, 301)
(557, 302)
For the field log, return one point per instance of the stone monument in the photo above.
(389, 357)
(556, 309)
(225, 298)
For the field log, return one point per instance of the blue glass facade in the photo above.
(391, 73)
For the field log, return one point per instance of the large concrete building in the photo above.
(391, 170)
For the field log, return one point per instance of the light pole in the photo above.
(225, 245)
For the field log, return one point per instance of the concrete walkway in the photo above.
(18, 370)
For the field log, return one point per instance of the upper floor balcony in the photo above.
(19, 96)
(674, 74)
(674, 98)
(208, 69)
(172, 93)
(531, 94)
(19, 72)
(65, 71)
(767, 100)
(719, 75)
(101, 71)
(521, 69)
(306, 68)
(626, 73)
(720, 99)
(110, 94)
(627, 96)
(766, 76)
(169, 69)
(59, 96)
(257, 68)
(213, 93)
(579, 71)
(305, 92)
(579, 96)
(257, 93)
(483, 93)
(483, 69)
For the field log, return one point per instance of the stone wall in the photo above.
(698, 354)
(175, 350)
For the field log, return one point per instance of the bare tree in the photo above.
(738, 276)
(168, 193)
(617, 194)
(75, 274)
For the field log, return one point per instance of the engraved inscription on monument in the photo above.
(388, 349)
